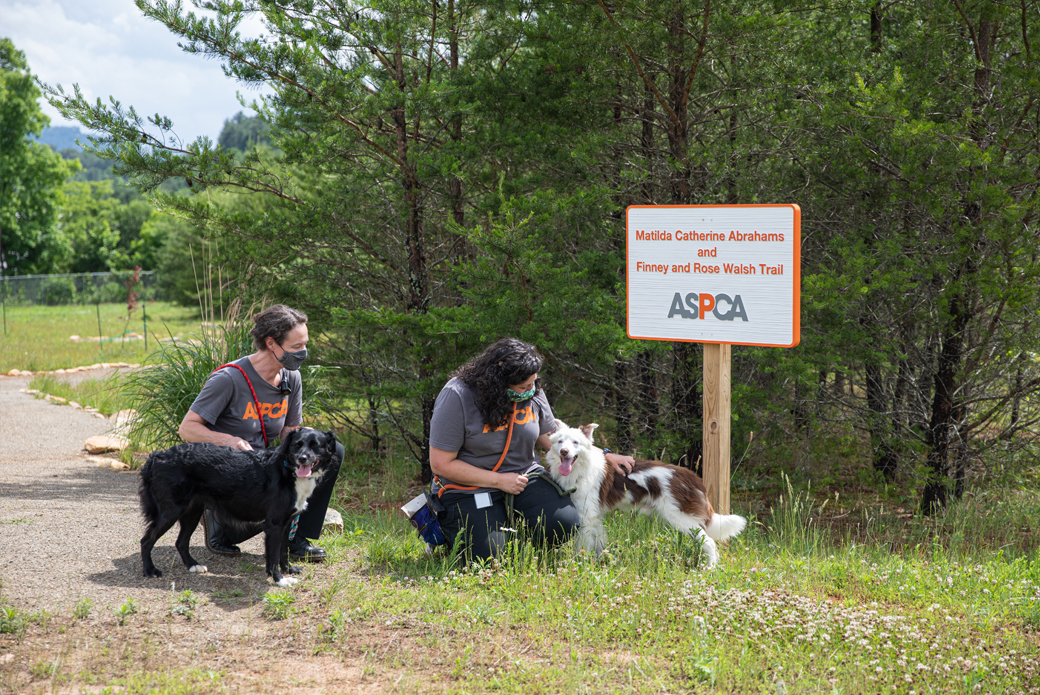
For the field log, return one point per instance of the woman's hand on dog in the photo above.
(513, 483)
(241, 445)
(621, 464)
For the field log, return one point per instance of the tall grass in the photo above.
(105, 395)
(163, 391)
(789, 609)
(792, 526)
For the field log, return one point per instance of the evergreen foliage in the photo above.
(451, 172)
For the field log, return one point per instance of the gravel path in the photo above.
(70, 529)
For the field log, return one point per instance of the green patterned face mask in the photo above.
(520, 397)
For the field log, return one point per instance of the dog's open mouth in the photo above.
(303, 472)
(566, 464)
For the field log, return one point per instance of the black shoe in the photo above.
(302, 549)
(215, 541)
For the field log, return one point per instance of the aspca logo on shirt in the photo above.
(272, 411)
(523, 416)
(721, 306)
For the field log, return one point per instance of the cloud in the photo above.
(110, 49)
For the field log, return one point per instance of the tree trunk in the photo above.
(418, 298)
(946, 413)
(942, 425)
(885, 460)
(876, 12)
(458, 214)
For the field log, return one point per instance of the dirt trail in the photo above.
(70, 529)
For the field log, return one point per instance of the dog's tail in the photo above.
(149, 508)
(723, 526)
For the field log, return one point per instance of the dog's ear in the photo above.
(286, 441)
(560, 425)
(588, 429)
(330, 440)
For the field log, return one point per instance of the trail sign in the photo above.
(714, 273)
(719, 275)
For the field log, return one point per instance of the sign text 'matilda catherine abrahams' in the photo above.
(692, 235)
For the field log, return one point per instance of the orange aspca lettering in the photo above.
(271, 411)
(278, 409)
(524, 416)
(521, 417)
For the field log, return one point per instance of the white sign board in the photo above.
(715, 273)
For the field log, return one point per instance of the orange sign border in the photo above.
(796, 327)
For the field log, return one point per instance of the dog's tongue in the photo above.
(303, 472)
(565, 465)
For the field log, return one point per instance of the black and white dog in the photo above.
(674, 494)
(268, 486)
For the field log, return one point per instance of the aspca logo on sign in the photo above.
(721, 306)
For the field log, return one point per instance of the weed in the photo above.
(185, 604)
(328, 594)
(126, 610)
(163, 682)
(82, 609)
(278, 605)
(41, 670)
(331, 631)
(12, 622)
(247, 567)
(228, 595)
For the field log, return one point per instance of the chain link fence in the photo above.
(80, 288)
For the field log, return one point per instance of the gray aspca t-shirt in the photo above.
(226, 403)
(457, 425)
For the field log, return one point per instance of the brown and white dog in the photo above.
(674, 494)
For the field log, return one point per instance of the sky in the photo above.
(110, 49)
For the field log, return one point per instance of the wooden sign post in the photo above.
(720, 275)
(716, 424)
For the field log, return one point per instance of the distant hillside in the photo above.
(242, 132)
(62, 137)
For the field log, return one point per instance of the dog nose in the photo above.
(564, 452)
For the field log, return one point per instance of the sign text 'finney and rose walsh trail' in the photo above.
(715, 273)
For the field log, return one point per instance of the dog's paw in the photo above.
(286, 581)
(292, 569)
(200, 569)
(153, 573)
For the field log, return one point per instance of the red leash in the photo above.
(256, 401)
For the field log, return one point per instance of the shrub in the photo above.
(57, 291)
(163, 392)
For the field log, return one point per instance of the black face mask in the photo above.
(293, 360)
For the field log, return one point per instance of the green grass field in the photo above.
(823, 593)
(38, 338)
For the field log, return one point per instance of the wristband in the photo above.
(607, 451)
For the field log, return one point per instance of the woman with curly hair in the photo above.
(486, 422)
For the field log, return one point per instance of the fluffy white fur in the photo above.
(674, 494)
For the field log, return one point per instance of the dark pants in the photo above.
(311, 521)
(550, 517)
